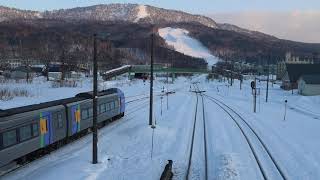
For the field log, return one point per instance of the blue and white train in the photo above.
(26, 132)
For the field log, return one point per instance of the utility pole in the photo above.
(151, 81)
(95, 94)
(231, 72)
(255, 95)
(268, 79)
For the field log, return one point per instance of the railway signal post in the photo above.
(151, 81)
(95, 94)
(268, 72)
(254, 92)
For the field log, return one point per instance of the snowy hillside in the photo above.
(182, 42)
(142, 12)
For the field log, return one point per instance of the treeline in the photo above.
(72, 43)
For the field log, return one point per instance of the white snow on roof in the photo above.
(183, 43)
(142, 12)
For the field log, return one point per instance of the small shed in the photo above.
(309, 85)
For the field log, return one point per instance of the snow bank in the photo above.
(179, 39)
(142, 12)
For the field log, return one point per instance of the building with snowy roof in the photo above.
(293, 72)
(309, 85)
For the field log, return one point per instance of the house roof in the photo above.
(295, 71)
(311, 79)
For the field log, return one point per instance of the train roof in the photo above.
(100, 93)
(78, 97)
(33, 107)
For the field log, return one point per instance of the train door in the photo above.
(75, 119)
(45, 129)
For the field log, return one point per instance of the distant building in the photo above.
(294, 71)
(17, 62)
(309, 85)
(292, 58)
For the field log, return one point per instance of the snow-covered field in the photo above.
(125, 145)
(182, 42)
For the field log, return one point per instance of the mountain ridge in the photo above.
(124, 12)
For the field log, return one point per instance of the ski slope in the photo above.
(183, 43)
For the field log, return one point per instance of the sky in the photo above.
(288, 19)
(193, 6)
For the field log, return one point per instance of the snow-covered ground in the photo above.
(182, 42)
(41, 90)
(125, 145)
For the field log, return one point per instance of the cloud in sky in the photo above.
(294, 25)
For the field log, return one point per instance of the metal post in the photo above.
(151, 82)
(267, 81)
(161, 104)
(255, 95)
(95, 93)
(167, 100)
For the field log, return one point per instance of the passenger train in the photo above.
(27, 131)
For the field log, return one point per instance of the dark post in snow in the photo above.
(255, 95)
(151, 82)
(95, 94)
(231, 72)
(285, 109)
(268, 79)
(240, 82)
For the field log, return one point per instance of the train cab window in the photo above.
(84, 114)
(35, 130)
(9, 138)
(25, 133)
(60, 120)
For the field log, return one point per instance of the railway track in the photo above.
(266, 162)
(199, 97)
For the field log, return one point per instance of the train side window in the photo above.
(60, 120)
(35, 129)
(84, 114)
(108, 106)
(1, 144)
(25, 133)
(102, 108)
(112, 105)
(9, 138)
(90, 112)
